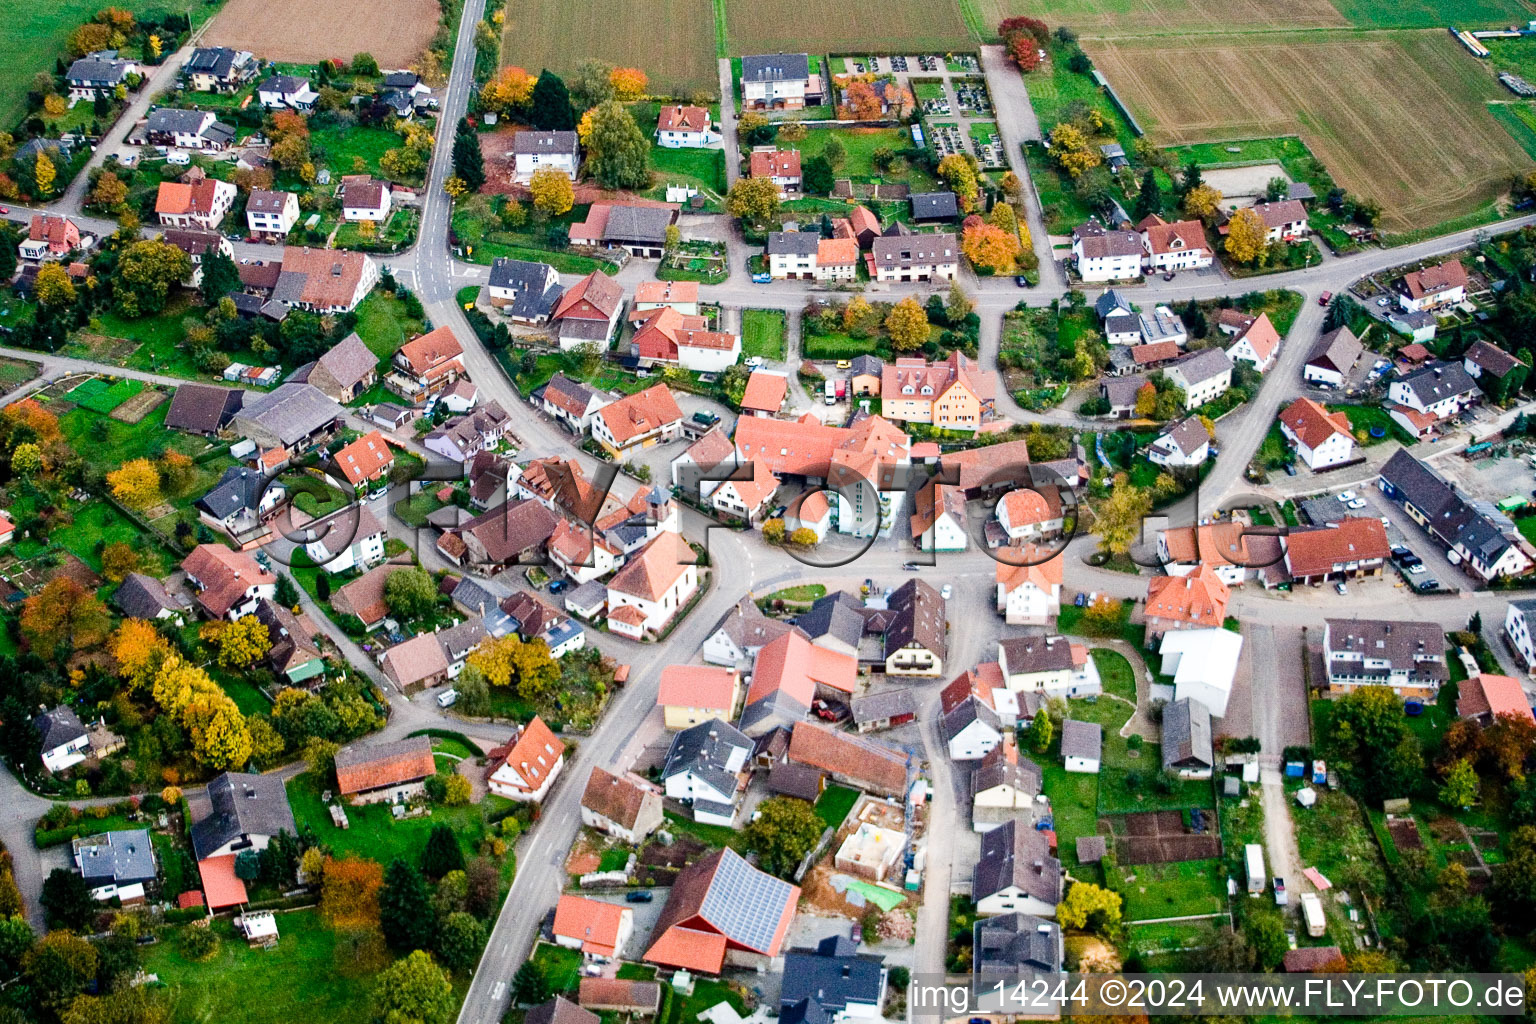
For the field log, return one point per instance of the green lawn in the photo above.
(374, 832)
(859, 145)
(158, 339)
(99, 521)
(336, 148)
(16, 372)
(762, 333)
(561, 966)
(714, 835)
(306, 977)
(1181, 889)
(1364, 417)
(702, 168)
(485, 245)
(383, 325)
(834, 804)
(35, 34)
(1074, 805)
(1116, 674)
(396, 233)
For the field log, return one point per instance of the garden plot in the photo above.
(1240, 185)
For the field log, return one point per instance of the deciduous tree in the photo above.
(410, 592)
(349, 892)
(753, 199)
(618, 153)
(782, 833)
(413, 990)
(53, 287)
(1118, 518)
(629, 84)
(990, 249)
(139, 650)
(118, 560)
(552, 191)
(1460, 786)
(1071, 150)
(243, 642)
(64, 613)
(136, 483)
(59, 967)
(958, 171)
(907, 325)
(1507, 744)
(109, 192)
(1202, 202)
(510, 90)
(1246, 237)
(146, 270)
(1089, 906)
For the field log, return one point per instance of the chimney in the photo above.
(1039, 867)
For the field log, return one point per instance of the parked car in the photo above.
(1410, 560)
(1357, 504)
(1081, 601)
(755, 361)
(556, 586)
(1170, 275)
(447, 698)
(830, 711)
(1280, 896)
(762, 278)
(1425, 586)
(1341, 587)
(845, 364)
(910, 566)
(1021, 281)
(706, 418)
(639, 896)
(1417, 570)
(946, 591)
(1325, 298)
(1346, 496)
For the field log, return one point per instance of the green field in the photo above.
(1181, 889)
(1464, 14)
(762, 333)
(375, 834)
(306, 977)
(860, 145)
(1519, 119)
(337, 148)
(672, 41)
(702, 168)
(34, 34)
(383, 325)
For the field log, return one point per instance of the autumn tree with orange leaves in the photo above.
(859, 102)
(349, 892)
(988, 247)
(629, 84)
(64, 614)
(140, 650)
(510, 90)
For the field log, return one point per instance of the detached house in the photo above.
(1016, 873)
(240, 504)
(391, 773)
(1177, 246)
(1104, 254)
(65, 742)
(463, 437)
(344, 371)
(1181, 445)
(525, 768)
(1331, 359)
(641, 420)
(706, 768)
(175, 128)
(1204, 375)
(1048, 665)
(324, 280)
(363, 198)
(597, 928)
(1029, 586)
(534, 151)
(349, 538)
(290, 91)
(1409, 657)
(424, 366)
(916, 257)
(49, 238)
(1257, 345)
(571, 402)
(1430, 395)
(271, 214)
(625, 807)
(680, 127)
(916, 631)
(98, 74)
(782, 166)
(219, 68)
(779, 81)
(1194, 601)
(197, 244)
(1488, 364)
(229, 583)
(1436, 287)
(200, 205)
(1322, 439)
(524, 292)
(1283, 221)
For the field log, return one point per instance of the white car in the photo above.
(1383, 302)
(755, 362)
(946, 591)
(1358, 503)
(1347, 496)
(1414, 570)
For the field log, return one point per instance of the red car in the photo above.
(1325, 298)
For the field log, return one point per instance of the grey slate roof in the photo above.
(1203, 365)
(174, 119)
(872, 365)
(749, 628)
(1187, 735)
(536, 284)
(1031, 654)
(1081, 739)
(93, 69)
(775, 67)
(832, 976)
(212, 60)
(1121, 391)
(637, 224)
(285, 85)
(1397, 643)
(1336, 350)
(203, 408)
(995, 771)
(58, 727)
(792, 243)
(1490, 358)
(934, 206)
(142, 597)
(838, 615)
(292, 411)
(121, 857)
(1110, 301)
(967, 711)
(797, 780)
(1015, 946)
(1418, 484)
(560, 1010)
(349, 361)
(1122, 323)
(705, 750)
(242, 804)
(1015, 854)
(240, 488)
(1435, 382)
(544, 142)
(877, 707)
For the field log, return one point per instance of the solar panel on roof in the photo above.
(744, 903)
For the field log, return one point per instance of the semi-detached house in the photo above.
(914, 257)
(1104, 254)
(1179, 245)
(956, 394)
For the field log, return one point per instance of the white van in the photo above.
(447, 697)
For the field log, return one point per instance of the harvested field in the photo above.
(672, 41)
(1366, 106)
(139, 406)
(900, 26)
(395, 33)
(1116, 18)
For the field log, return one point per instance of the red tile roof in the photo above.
(682, 119)
(765, 391)
(717, 902)
(593, 922)
(779, 164)
(1180, 236)
(534, 755)
(363, 768)
(1262, 336)
(698, 686)
(640, 413)
(1495, 695)
(225, 575)
(1441, 277)
(431, 350)
(838, 753)
(221, 886)
(367, 458)
(1316, 552)
(1312, 424)
(655, 569)
(594, 297)
(1199, 599)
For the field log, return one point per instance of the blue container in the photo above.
(1294, 769)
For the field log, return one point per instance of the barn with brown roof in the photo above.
(849, 759)
(384, 772)
(623, 806)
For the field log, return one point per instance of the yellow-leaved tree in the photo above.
(135, 483)
(957, 171)
(1202, 202)
(1071, 150)
(1246, 237)
(44, 173)
(552, 191)
(989, 248)
(907, 324)
(243, 642)
(139, 650)
(53, 286)
(629, 84)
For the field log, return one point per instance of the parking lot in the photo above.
(1402, 532)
